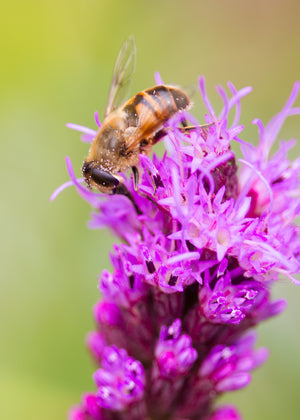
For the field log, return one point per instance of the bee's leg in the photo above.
(123, 190)
(186, 128)
(184, 123)
(158, 136)
(135, 177)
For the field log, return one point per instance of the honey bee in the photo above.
(130, 129)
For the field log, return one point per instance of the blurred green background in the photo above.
(56, 65)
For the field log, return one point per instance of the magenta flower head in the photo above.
(203, 237)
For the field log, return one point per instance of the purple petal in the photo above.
(63, 187)
(158, 79)
(205, 98)
(234, 382)
(82, 129)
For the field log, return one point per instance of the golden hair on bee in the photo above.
(129, 128)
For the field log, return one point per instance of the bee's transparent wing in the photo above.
(122, 77)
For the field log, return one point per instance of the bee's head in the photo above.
(98, 178)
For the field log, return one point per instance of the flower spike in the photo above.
(193, 270)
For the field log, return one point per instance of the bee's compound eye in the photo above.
(103, 178)
(86, 168)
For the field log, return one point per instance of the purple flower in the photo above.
(120, 381)
(225, 368)
(202, 241)
(227, 412)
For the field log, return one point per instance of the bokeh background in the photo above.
(56, 64)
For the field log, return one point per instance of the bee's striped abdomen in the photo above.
(154, 106)
(169, 99)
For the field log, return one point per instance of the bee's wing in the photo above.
(146, 129)
(122, 77)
